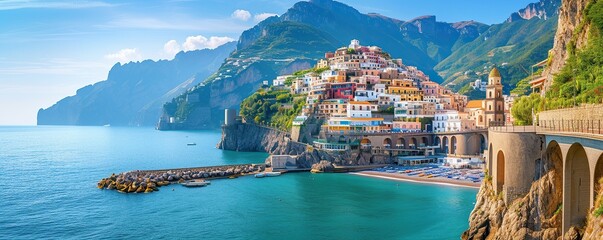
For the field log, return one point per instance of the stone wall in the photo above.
(584, 112)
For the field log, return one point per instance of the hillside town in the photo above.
(362, 90)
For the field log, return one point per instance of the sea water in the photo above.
(48, 179)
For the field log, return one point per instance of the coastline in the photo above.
(404, 178)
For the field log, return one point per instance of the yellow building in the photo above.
(406, 89)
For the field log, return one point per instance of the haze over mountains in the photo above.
(134, 92)
(296, 39)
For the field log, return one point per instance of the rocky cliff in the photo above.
(254, 138)
(537, 215)
(571, 16)
(543, 9)
(594, 226)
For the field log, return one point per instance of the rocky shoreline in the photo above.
(146, 181)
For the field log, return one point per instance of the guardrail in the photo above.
(573, 126)
(513, 128)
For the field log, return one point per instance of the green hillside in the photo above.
(513, 46)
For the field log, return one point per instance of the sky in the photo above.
(51, 48)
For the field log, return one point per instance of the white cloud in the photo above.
(171, 47)
(125, 55)
(262, 16)
(242, 15)
(201, 42)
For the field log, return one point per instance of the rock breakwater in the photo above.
(146, 181)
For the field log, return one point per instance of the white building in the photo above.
(366, 95)
(388, 100)
(280, 80)
(479, 85)
(414, 109)
(380, 88)
(360, 109)
(447, 121)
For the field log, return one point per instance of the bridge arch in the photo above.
(453, 144)
(483, 143)
(365, 141)
(401, 143)
(598, 176)
(425, 141)
(576, 187)
(387, 143)
(413, 143)
(500, 171)
(445, 144)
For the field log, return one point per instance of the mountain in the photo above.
(297, 39)
(134, 92)
(514, 46)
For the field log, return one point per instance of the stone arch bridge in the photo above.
(572, 147)
(466, 143)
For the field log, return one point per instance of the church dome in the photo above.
(494, 73)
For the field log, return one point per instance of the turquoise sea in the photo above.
(48, 179)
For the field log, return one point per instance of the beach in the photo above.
(406, 178)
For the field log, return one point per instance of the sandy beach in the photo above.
(404, 177)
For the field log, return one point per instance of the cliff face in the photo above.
(254, 138)
(543, 9)
(594, 223)
(571, 15)
(534, 216)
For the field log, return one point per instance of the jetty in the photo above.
(146, 181)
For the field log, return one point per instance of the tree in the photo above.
(524, 106)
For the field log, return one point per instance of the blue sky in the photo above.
(50, 48)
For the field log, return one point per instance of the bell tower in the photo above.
(495, 103)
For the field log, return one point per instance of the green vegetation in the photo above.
(277, 108)
(599, 210)
(289, 40)
(524, 106)
(472, 94)
(581, 79)
(519, 44)
(559, 209)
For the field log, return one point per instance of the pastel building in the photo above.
(414, 109)
(346, 125)
(361, 109)
(366, 95)
(406, 126)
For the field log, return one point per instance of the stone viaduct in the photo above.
(569, 139)
(466, 143)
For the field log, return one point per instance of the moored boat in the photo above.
(273, 174)
(195, 183)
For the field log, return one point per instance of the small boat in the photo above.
(193, 183)
(191, 144)
(273, 174)
(260, 175)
